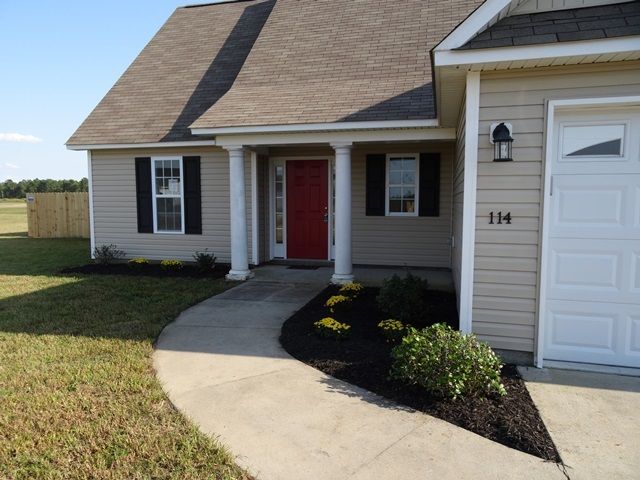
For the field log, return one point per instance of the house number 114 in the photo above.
(499, 218)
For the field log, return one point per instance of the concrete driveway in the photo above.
(593, 418)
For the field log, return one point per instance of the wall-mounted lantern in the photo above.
(502, 141)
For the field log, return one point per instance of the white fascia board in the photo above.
(113, 146)
(473, 24)
(409, 135)
(316, 127)
(533, 52)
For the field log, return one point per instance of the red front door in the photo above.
(307, 192)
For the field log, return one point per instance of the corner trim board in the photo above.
(92, 228)
(472, 122)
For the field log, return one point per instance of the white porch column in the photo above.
(238, 216)
(343, 265)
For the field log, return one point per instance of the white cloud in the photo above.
(18, 137)
(12, 166)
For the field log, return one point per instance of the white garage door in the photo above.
(592, 311)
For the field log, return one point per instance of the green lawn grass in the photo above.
(78, 395)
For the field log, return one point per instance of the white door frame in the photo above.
(273, 161)
(550, 151)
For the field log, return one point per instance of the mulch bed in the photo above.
(151, 270)
(363, 359)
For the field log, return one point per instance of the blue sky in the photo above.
(59, 58)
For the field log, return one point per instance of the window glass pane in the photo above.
(395, 193)
(279, 235)
(278, 204)
(279, 220)
(278, 189)
(408, 193)
(158, 185)
(592, 140)
(395, 178)
(409, 164)
(408, 178)
(395, 206)
(173, 186)
(408, 206)
(279, 173)
(395, 164)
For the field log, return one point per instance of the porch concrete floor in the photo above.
(370, 276)
(592, 418)
(222, 365)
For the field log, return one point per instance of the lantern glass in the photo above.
(502, 143)
(502, 151)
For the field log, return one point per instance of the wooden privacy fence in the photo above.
(58, 215)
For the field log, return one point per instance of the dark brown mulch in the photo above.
(363, 359)
(152, 270)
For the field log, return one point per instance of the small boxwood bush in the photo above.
(205, 261)
(404, 298)
(447, 363)
(171, 265)
(107, 254)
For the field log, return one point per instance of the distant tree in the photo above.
(11, 189)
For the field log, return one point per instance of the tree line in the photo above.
(11, 189)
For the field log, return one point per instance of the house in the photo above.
(498, 139)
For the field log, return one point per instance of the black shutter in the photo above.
(376, 180)
(429, 185)
(144, 196)
(192, 196)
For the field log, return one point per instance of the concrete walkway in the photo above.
(592, 418)
(222, 365)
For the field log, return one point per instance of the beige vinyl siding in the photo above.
(506, 256)
(114, 203)
(458, 203)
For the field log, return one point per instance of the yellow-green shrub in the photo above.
(331, 328)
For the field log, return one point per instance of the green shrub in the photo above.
(330, 328)
(171, 265)
(404, 298)
(107, 254)
(447, 363)
(205, 261)
(393, 330)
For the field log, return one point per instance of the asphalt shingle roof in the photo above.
(265, 62)
(605, 21)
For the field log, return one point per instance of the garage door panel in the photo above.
(592, 271)
(589, 206)
(592, 310)
(605, 333)
(633, 338)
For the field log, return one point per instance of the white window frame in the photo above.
(155, 196)
(416, 156)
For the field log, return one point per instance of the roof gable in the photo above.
(268, 62)
(189, 64)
